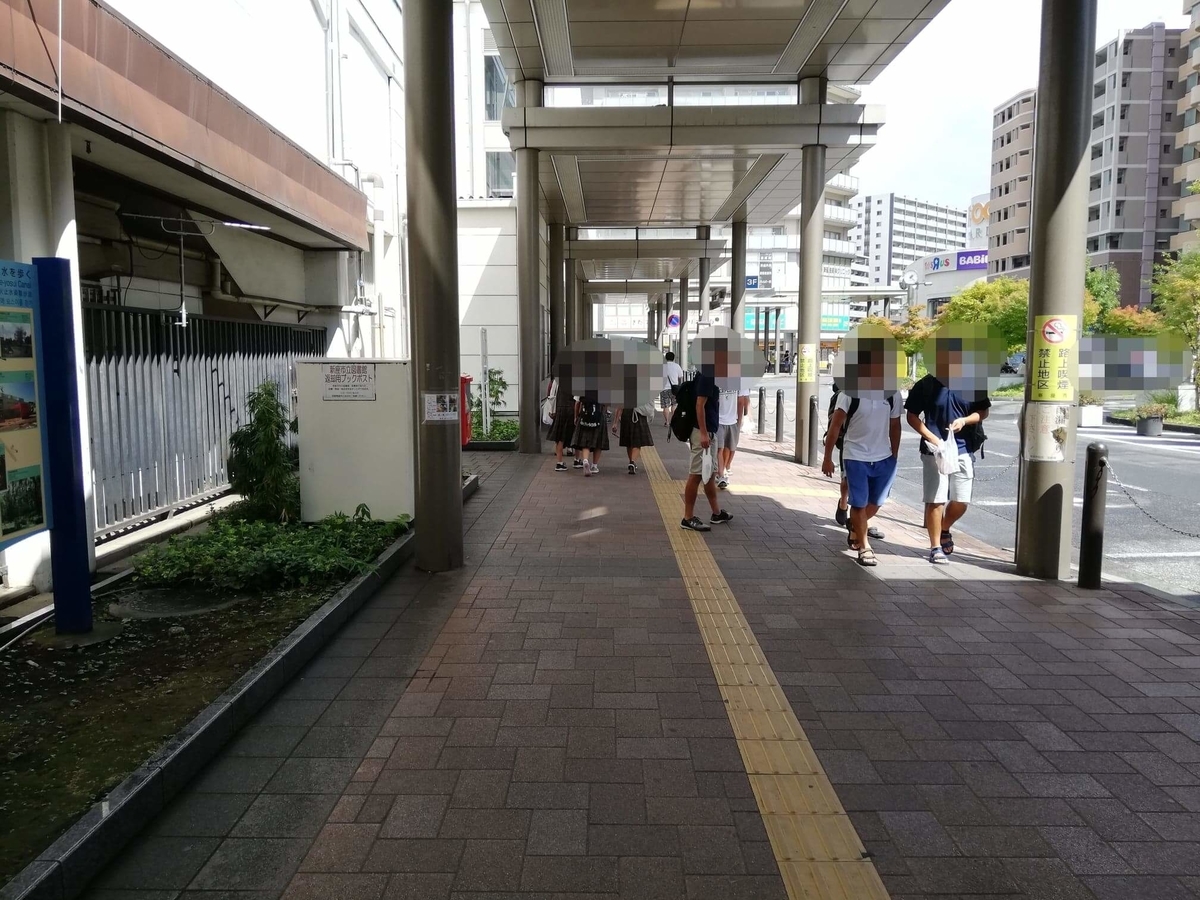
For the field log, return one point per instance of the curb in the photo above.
(62, 871)
(491, 445)
(470, 486)
(1167, 426)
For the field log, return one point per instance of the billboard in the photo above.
(977, 221)
(971, 259)
(956, 261)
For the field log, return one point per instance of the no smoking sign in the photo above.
(1055, 331)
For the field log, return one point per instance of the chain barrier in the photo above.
(984, 480)
(1149, 515)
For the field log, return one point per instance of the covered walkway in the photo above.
(601, 705)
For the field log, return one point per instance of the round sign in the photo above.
(673, 321)
(806, 350)
(1054, 331)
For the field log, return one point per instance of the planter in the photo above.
(1091, 416)
(470, 486)
(1151, 427)
(491, 445)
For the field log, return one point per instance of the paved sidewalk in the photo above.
(553, 721)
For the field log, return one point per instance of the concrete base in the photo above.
(1187, 397)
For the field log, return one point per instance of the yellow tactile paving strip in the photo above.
(819, 853)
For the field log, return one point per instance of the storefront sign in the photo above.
(22, 492)
(971, 259)
(940, 263)
(834, 323)
(1055, 357)
(752, 282)
(348, 381)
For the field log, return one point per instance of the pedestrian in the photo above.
(787, 362)
(734, 404)
(634, 429)
(842, 513)
(672, 378)
(940, 414)
(562, 426)
(591, 436)
(867, 430)
(703, 396)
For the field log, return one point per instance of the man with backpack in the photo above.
(940, 414)
(866, 428)
(697, 420)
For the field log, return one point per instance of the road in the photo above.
(1160, 479)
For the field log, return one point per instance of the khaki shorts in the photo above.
(697, 463)
(956, 488)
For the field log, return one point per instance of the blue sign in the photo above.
(972, 259)
(673, 320)
(752, 282)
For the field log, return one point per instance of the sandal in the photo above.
(947, 543)
(866, 557)
(851, 544)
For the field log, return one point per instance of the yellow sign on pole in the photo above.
(1055, 356)
(806, 363)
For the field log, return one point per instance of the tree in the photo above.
(1003, 306)
(1104, 286)
(1176, 289)
(1129, 321)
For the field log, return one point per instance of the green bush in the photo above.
(502, 429)
(1152, 411)
(261, 466)
(246, 555)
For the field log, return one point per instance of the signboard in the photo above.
(439, 407)
(971, 259)
(977, 221)
(835, 323)
(806, 363)
(944, 263)
(752, 282)
(22, 491)
(1055, 349)
(348, 381)
(673, 320)
(1046, 431)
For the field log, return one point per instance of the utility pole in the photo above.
(1056, 285)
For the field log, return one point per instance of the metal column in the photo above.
(683, 321)
(433, 275)
(572, 305)
(737, 284)
(650, 321)
(778, 325)
(1058, 251)
(558, 317)
(812, 235)
(529, 302)
(585, 320)
(758, 328)
(704, 232)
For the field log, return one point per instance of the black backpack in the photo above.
(974, 437)
(683, 420)
(590, 413)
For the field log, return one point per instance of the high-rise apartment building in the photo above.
(894, 231)
(1188, 140)
(1132, 190)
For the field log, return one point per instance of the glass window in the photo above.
(501, 169)
(497, 92)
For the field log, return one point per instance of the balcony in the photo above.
(771, 242)
(844, 184)
(839, 248)
(1185, 240)
(841, 214)
(1187, 207)
(1188, 135)
(1188, 100)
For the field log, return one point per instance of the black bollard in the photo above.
(814, 432)
(762, 410)
(779, 417)
(1095, 494)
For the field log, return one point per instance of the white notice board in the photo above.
(348, 381)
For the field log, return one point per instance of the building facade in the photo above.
(1187, 208)
(1137, 151)
(893, 231)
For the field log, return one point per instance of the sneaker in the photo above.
(595, 469)
(873, 532)
(937, 557)
(632, 469)
(568, 451)
(587, 470)
(578, 464)
(560, 467)
(722, 482)
(694, 524)
(721, 518)
(842, 516)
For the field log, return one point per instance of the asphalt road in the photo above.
(1161, 479)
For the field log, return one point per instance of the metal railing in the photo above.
(163, 401)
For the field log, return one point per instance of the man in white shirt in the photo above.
(672, 378)
(734, 405)
(867, 428)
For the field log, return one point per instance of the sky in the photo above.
(976, 54)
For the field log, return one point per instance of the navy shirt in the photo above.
(940, 406)
(707, 388)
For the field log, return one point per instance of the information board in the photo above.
(806, 363)
(1055, 349)
(22, 488)
(348, 381)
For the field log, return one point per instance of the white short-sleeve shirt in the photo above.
(868, 436)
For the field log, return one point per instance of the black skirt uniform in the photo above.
(635, 433)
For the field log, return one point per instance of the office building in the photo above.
(1187, 110)
(1134, 158)
(893, 231)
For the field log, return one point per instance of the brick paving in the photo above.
(546, 722)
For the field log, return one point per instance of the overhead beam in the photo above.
(646, 249)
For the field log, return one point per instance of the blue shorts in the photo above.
(870, 482)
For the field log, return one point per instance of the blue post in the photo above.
(64, 460)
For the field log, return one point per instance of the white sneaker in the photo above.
(595, 470)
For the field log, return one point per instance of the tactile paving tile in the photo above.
(819, 853)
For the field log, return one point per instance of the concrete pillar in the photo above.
(433, 274)
(37, 219)
(737, 285)
(1058, 253)
(529, 303)
(558, 315)
(758, 329)
(812, 236)
(583, 305)
(650, 321)
(704, 233)
(682, 356)
(572, 304)
(778, 349)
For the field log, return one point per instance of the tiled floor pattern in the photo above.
(818, 852)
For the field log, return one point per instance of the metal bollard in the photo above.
(779, 417)
(1095, 499)
(762, 410)
(814, 432)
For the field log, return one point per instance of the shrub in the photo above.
(1090, 398)
(1151, 411)
(260, 462)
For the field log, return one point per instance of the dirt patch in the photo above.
(74, 723)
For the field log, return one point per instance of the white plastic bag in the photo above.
(550, 403)
(706, 465)
(947, 455)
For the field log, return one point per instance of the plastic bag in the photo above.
(947, 455)
(548, 409)
(706, 465)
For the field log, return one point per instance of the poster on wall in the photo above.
(22, 492)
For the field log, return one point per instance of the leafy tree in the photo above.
(910, 334)
(1003, 306)
(1176, 289)
(1104, 286)
(1129, 321)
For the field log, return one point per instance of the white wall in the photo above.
(487, 289)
